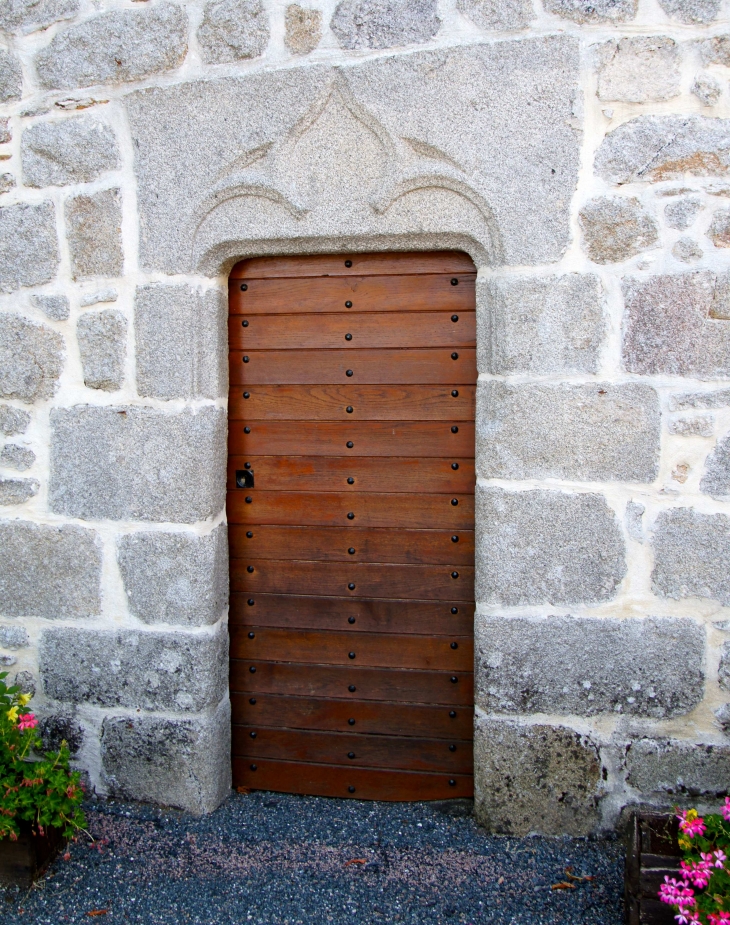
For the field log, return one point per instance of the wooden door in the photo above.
(351, 512)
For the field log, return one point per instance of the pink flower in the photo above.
(27, 721)
(697, 872)
(675, 893)
(726, 810)
(690, 823)
(720, 857)
(719, 918)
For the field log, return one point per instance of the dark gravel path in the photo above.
(271, 859)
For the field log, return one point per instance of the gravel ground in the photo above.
(274, 859)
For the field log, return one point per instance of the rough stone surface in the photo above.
(103, 295)
(707, 90)
(26, 682)
(13, 637)
(716, 50)
(588, 666)
(73, 151)
(665, 148)
(692, 427)
(723, 674)
(11, 77)
(546, 324)
(501, 15)
(504, 181)
(673, 325)
(28, 245)
(692, 555)
(116, 46)
(17, 491)
(60, 727)
(639, 69)
(16, 457)
(672, 768)
(719, 230)
(588, 11)
(102, 338)
(691, 11)
(49, 571)
(686, 250)
(55, 307)
(176, 762)
(6, 133)
(7, 182)
(303, 29)
(31, 359)
(633, 519)
(384, 23)
(181, 337)
(29, 15)
(180, 672)
(233, 30)
(616, 229)
(700, 400)
(94, 229)
(535, 778)
(682, 213)
(723, 717)
(175, 577)
(13, 421)
(536, 547)
(716, 480)
(592, 432)
(126, 463)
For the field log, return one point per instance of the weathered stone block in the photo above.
(6, 133)
(544, 779)
(181, 672)
(14, 637)
(31, 359)
(719, 230)
(49, 571)
(29, 15)
(633, 520)
(692, 555)
(13, 421)
(11, 77)
(7, 182)
(73, 151)
(592, 432)
(176, 762)
(639, 69)
(28, 245)
(137, 463)
(384, 23)
(586, 11)
(102, 338)
(55, 307)
(175, 577)
(116, 46)
(702, 400)
(26, 682)
(691, 11)
(716, 50)
(669, 325)
(686, 250)
(546, 547)
(501, 15)
(59, 727)
(588, 666)
(616, 229)
(103, 295)
(545, 324)
(94, 231)
(665, 148)
(16, 457)
(716, 480)
(181, 336)
(682, 213)
(673, 768)
(723, 673)
(17, 491)
(692, 427)
(233, 30)
(707, 90)
(303, 29)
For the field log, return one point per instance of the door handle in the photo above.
(244, 478)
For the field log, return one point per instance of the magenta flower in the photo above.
(676, 893)
(690, 823)
(27, 721)
(726, 810)
(720, 857)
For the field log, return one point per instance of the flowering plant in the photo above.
(701, 895)
(45, 792)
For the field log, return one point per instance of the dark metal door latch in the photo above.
(244, 478)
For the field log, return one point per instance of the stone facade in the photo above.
(580, 153)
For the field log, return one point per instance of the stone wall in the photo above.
(580, 152)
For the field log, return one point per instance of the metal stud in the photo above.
(454, 282)
(252, 734)
(350, 516)
(351, 586)
(254, 767)
(453, 574)
(351, 722)
(348, 304)
(452, 783)
(351, 551)
(244, 324)
(250, 602)
(454, 502)
(245, 359)
(252, 669)
(350, 789)
(350, 619)
(351, 481)
(351, 655)
(454, 645)
(454, 539)
(247, 430)
(349, 409)
(454, 609)
(246, 394)
(454, 356)
(349, 372)
(249, 569)
(351, 755)
(249, 534)
(454, 318)
(348, 263)
(247, 465)
(349, 444)
(252, 701)
(452, 748)
(454, 393)
(452, 714)
(252, 635)
(454, 429)
(352, 688)
(454, 466)
(244, 287)
(453, 679)
(249, 499)
(348, 336)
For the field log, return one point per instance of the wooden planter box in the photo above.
(652, 853)
(24, 860)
